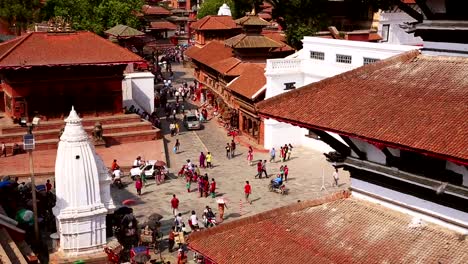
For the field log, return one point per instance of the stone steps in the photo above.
(118, 129)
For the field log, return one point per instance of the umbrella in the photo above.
(25, 216)
(124, 210)
(160, 163)
(221, 200)
(122, 31)
(155, 216)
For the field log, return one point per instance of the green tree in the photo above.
(20, 13)
(95, 15)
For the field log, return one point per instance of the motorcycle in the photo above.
(118, 183)
(209, 221)
(272, 187)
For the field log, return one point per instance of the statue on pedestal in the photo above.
(97, 133)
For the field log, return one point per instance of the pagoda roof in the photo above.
(411, 101)
(252, 20)
(155, 10)
(210, 54)
(243, 41)
(336, 228)
(62, 49)
(215, 23)
(123, 31)
(162, 25)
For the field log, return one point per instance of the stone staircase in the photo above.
(118, 129)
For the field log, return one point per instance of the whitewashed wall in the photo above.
(396, 34)
(408, 200)
(303, 70)
(458, 169)
(138, 88)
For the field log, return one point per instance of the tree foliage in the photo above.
(95, 15)
(238, 7)
(20, 12)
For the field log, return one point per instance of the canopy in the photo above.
(122, 31)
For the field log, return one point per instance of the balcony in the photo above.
(282, 65)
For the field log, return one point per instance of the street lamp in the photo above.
(28, 145)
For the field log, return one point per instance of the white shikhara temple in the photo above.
(83, 192)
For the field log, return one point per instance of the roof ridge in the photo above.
(230, 68)
(15, 45)
(345, 75)
(206, 20)
(270, 214)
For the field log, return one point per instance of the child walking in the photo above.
(176, 146)
(138, 185)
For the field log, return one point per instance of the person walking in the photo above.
(290, 147)
(4, 150)
(259, 169)
(272, 154)
(206, 185)
(247, 191)
(233, 148)
(286, 172)
(172, 129)
(336, 178)
(200, 185)
(264, 169)
(209, 159)
(228, 151)
(177, 128)
(221, 206)
(138, 185)
(188, 183)
(282, 172)
(171, 238)
(194, 221)
(202, 160)
(174, 205)
(176, 146)
(250, 156)
(213, 188)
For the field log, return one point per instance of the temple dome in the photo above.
(224, 10)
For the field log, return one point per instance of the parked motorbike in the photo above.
(118, 183)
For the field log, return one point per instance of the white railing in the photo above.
(283, 64)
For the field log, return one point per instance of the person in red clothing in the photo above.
(259, 169)
(174, 204)
(206, 187)
(114, 165)
(213, 188)
(286, 172)
(247, 191)
(48, 186)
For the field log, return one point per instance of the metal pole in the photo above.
(34, 200)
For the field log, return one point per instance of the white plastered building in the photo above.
(320, 58)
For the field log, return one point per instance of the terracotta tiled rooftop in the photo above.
(215, 23)
(155, 10)
(251, 41)
(410, 101)
(250, 82)
(162, 25)
(42, 48)
(223, 66)
(209, 54)
(278, 37)
(329, 230)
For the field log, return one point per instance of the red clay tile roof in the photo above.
(278, 37)
(162, 25)
(223, 66)
(410, 101)
(236, 70)
(215, 23)
(242, 41)
(211, 53)
(155, 10)
(250, 82)
(329, 230)
(42, 48)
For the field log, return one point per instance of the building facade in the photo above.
(320, 58)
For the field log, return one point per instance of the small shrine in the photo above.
(83, 192)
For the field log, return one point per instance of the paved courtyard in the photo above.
(306, 169)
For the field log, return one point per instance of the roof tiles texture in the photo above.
(410, 101)
(215, 23)
(211, 53)
(42, 48)
(242, 41)
(155, 10)
(250, 81)
(329, 230)
(162, 25)
(252, 20)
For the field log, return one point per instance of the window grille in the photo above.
(343, 58)
(317, 55)
(369, 60)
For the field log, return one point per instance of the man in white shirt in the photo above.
(194, 220)
(137, 162)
